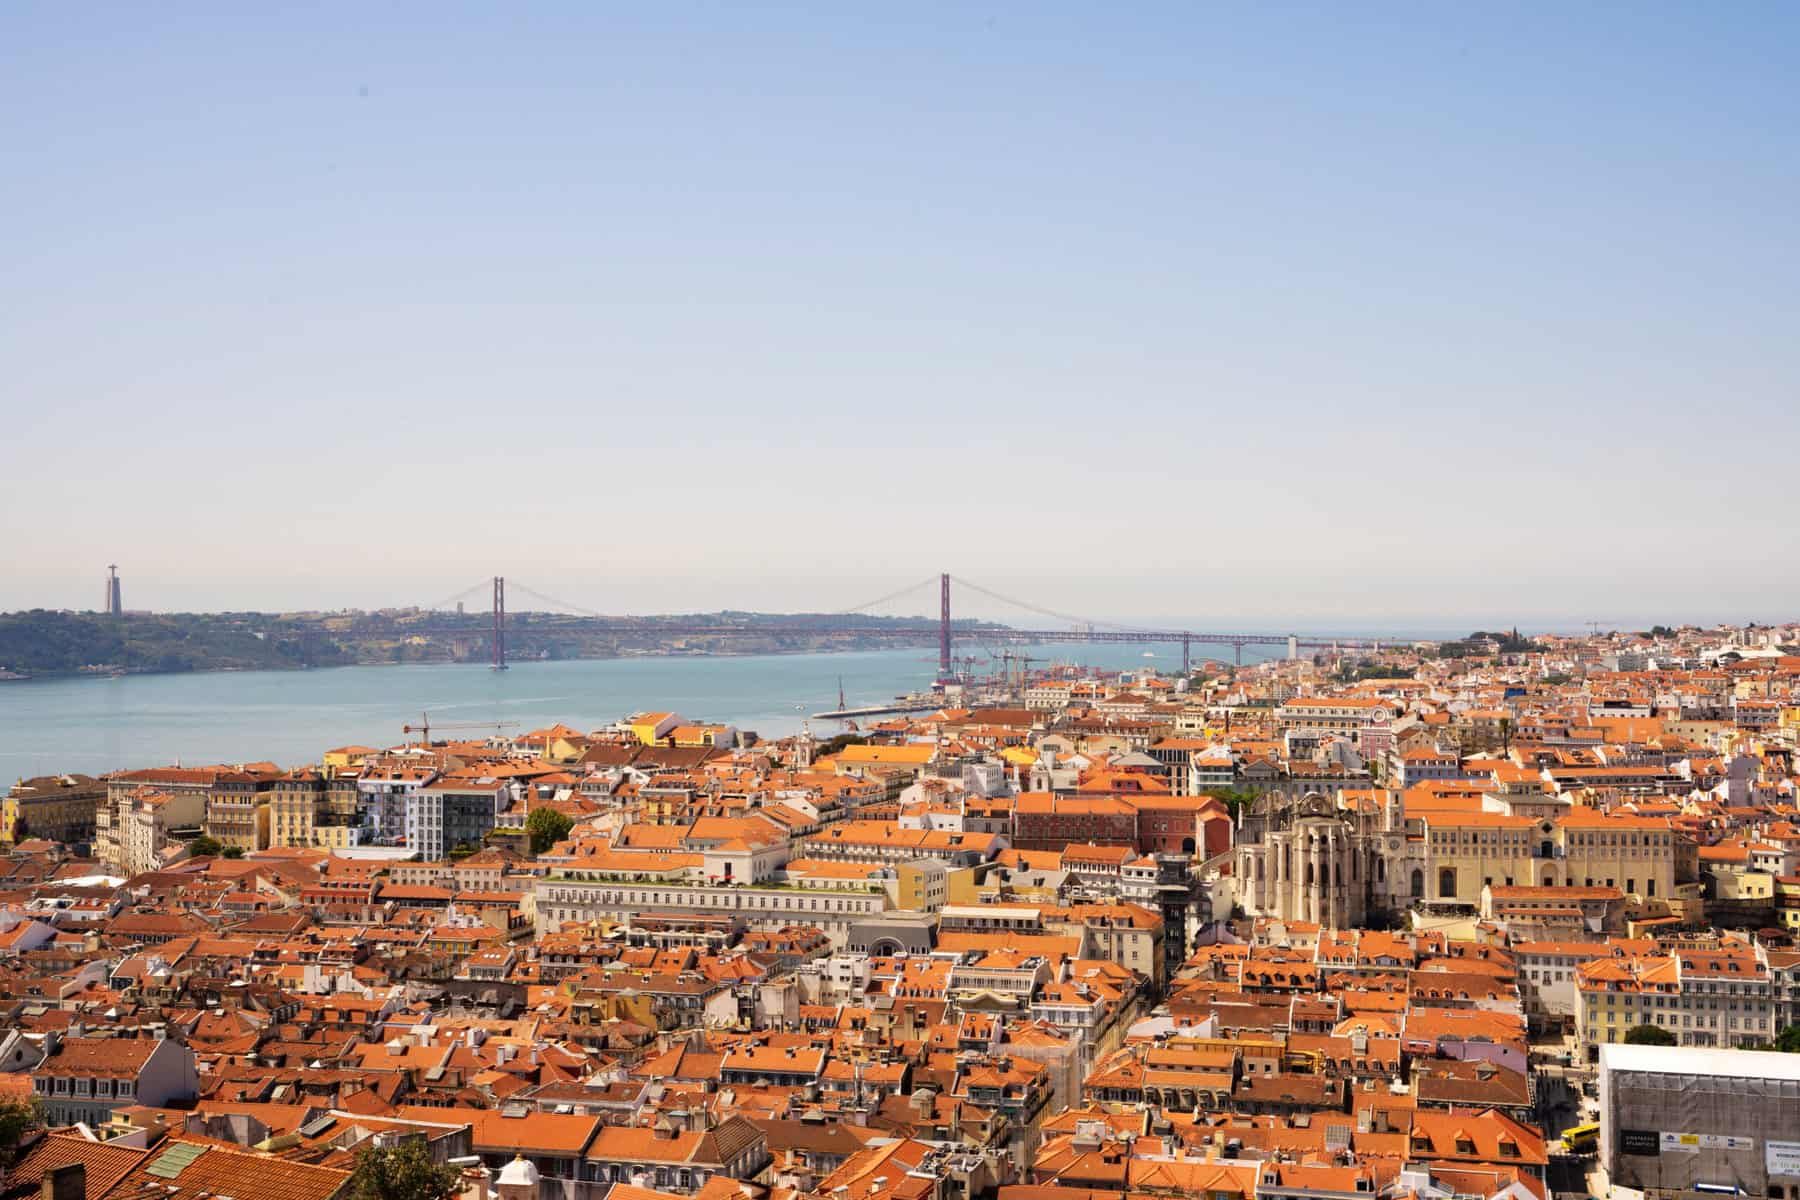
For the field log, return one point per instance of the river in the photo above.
(92, 725)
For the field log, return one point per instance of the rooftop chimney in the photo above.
(923, 1101)
(67, 1182)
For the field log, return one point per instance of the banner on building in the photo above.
(1782, 1158)
(1693, 1143)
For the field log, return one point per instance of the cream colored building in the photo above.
(58, 807)
(117, 816)
(1130, 935)
(1722, 997)
(1338, 714)
(561, 898)
(315, 811)
(149, 820)
(237, 812)
(1582, 848)
(1316, 862)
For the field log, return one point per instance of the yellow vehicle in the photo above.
(1577, 1139)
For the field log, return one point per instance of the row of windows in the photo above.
(718, 899)
(1612, 1000)
(62, 1085)
(1692, 1022)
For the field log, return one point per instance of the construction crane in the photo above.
(423, 728)
(1008, 658)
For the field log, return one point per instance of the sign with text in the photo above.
(1693, 1143)
(1640, 1141)
(1782, 1158)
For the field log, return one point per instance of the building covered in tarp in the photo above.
(1679, 1122)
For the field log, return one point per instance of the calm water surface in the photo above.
(290, 717)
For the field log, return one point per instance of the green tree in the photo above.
(547, 827)
(17, 1118)
(402, 1172)
(1788, 1040)
(204, 846)
(1233, 798)
(1648, 1035)
(836, 744)
(232, 852)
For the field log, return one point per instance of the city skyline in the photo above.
(1296, 314)
(819, 602)
(975, 603)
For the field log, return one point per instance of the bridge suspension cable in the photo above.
(450, 600)
(926, 582)
(1040, 610)
(552, 601)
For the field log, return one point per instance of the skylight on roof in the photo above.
(171, 1162)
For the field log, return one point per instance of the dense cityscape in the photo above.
(1504, 917)
(466, 731)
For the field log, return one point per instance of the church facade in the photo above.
(1308, 860)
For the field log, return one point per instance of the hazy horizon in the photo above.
(1310, 317)
(1434, 626)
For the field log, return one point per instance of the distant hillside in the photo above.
(41, 642)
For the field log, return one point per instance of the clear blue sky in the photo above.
(1249, 312)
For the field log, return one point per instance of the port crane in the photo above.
(423, 728)
(1008, 658)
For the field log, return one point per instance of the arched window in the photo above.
(1447, 882)
(1418, 884)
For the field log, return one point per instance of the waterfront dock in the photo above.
(876, 710)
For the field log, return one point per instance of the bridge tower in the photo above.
(1187, 654)
(499, 623)
(944, 663)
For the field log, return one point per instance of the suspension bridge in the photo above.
(944, 631)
